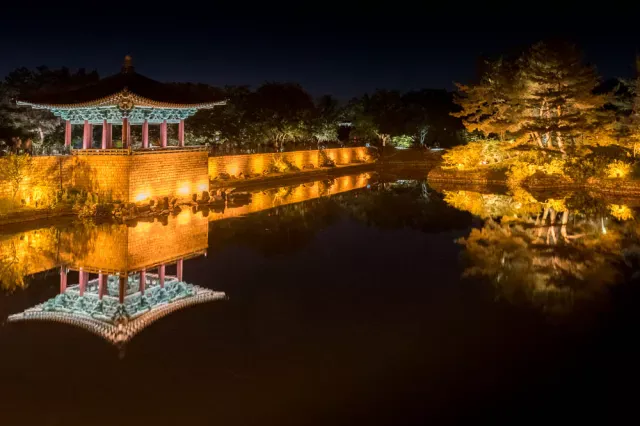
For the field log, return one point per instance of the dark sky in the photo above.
(327, 47)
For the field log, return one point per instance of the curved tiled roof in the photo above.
(112, 89)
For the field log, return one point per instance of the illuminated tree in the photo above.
(14, 169)
(561, 107)
(494, 106)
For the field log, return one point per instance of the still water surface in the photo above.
(366, 299)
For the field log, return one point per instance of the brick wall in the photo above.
(106, 175)
(167, 174)
(235, 165)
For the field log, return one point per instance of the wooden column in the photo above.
(161, 275)
(125, 132)
(67, 133)
(83, 280)
(181, 133)
(63, 279)
(179, 269)
(143, 280)
(109, 135)
(105, 134)
(122, 288)
(163, 134)
(86, 136)
(145, 134)
(102, 284)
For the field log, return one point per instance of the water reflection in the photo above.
(123, 283)
(554, 254)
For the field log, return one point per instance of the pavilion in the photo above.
(117, 308)
(124, 99)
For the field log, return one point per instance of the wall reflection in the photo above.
(123, 280)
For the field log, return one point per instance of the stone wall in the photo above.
(141, 176)
(167, 174)
(252, 164)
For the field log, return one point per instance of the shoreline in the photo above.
(488, 178)
(294, 178)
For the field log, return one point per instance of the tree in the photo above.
(22, 82)
(560, 104)
(14, 169)
(494, 105)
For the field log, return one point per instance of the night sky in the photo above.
(326, 47)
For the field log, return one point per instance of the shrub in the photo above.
(402, 141)
(618, 169)
(324, 160)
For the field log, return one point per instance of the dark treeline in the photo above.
(274, 116)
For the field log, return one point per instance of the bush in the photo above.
(324, 160)
(618, 169)
(403, 141)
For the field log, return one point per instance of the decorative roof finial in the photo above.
(127, 66)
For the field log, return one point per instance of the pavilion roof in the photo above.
(129, 85)
(113, 321)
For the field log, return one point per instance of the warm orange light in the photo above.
(185, 189)
(142, 196)
(203, 187)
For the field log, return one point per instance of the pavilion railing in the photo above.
(138, 151)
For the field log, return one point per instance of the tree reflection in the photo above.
(555, 254)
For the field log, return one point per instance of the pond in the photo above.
(364, 299)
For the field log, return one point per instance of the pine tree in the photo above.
(561, 108)
(494, 106)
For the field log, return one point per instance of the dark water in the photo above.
(346, 304)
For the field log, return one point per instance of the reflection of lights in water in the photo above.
(184, 217)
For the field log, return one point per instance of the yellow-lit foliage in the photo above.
(618, 169)
(621, 212)
(478, 153)
(557, 205)
(482, 205)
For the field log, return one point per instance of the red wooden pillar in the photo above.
(143, 280)
(83, 280)
(86, 136)
(102, 281)
(122, 288)
(179, 269)
(105, 132)
(145, 134)
(161, 275)
(63, 279)
(163, 134)
(125, 132)
(181, 133)
(67, 133)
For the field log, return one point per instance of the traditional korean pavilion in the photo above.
(126, 99)
(126, 280)
(117, 308)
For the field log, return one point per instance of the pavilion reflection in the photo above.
(123, 284)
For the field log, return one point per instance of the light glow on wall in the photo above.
(142, 196)
(184, 189)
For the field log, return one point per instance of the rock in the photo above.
(205, 197)
(173, 202)
(224, 176)
(308, 166)
(194, 198)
